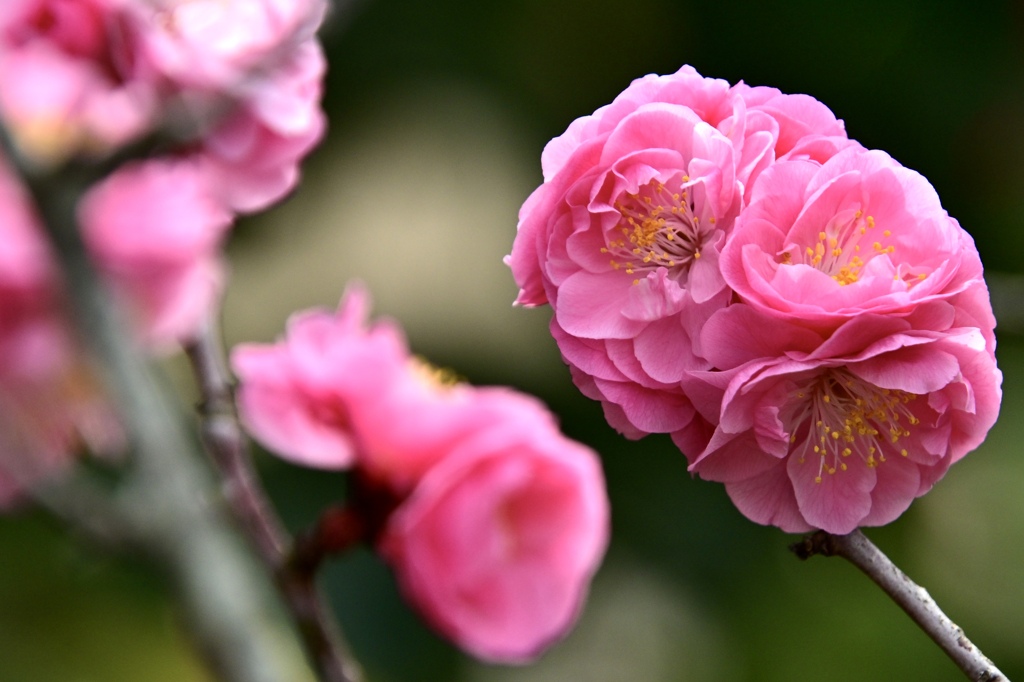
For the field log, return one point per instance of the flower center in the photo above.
(659, 228)
(836, 416)
(845, 246)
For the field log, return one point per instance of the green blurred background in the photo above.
(439, 111)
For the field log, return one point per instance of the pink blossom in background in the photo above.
(497, 544)
(66, 80)
(219, 45)
(624, 235)
(253, 156)
(821, 244)
(849, 433)
(493, 521)
(155, 232)
(89, 75)
(300, 397)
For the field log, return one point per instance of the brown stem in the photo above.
(229, 448)
(911, 597)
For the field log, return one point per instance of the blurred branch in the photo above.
(229, 449)
(911, 597)
(164, 500)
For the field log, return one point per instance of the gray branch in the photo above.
(166, 501)
(911, 597)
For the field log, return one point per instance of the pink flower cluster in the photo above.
(800, 313)
(85, 76)
(494, 521)
(81, 77)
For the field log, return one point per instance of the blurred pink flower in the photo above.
(88, 75)
(844, 432)
(822, 244)
(155, 232)
(218, 45)
(66, 77)
(253, 156)
(300, 397)
(623, 238)
(493, 521)
(497, 544)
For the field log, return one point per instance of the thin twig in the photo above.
(227, 446)
(229, 449)
(911, 597)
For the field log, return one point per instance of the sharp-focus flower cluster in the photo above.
(800, 313)
(494, 521)
(79, 78)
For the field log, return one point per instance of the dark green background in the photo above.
(937, 84)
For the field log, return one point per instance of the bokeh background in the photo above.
(439, 111)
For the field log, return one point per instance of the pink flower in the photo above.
(497, 544)
(302, 396)
(844, 432)
(623, 238)
(155, 232)
(217, 45)
(824, 243)
(253, 156)
(66, 80)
